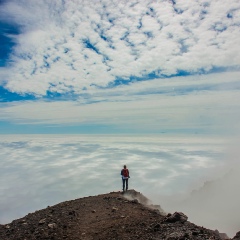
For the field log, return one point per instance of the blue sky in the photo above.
(169, 67)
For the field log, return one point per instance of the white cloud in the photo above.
(208, 103)
(131, 39)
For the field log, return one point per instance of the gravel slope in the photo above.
(107, 216)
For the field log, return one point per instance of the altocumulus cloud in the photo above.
(76, 46)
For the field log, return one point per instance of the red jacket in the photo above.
(125, 173)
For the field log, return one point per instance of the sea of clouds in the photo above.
(41, 170)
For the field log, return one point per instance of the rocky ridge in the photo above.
(107, 216)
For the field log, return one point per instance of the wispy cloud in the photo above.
(76, 46)
(195, 105)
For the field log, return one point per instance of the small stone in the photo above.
(175, 235)
(135, 201)
(7, 226)
(42, 221)
(72, 213)
(157, 226)
(52, 225)
(114, 209)
(93, 211)
(194, 233)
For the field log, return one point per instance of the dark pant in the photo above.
(125, 182)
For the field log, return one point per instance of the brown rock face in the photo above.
(108, 216)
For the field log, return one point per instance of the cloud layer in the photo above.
(190, 104)
(76, 46)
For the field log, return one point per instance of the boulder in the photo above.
(237, 236)
(223, 236)
(176, 217)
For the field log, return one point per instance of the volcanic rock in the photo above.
(107, 216)
(176, 217)
(237, 236)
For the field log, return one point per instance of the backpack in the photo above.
(125, 172)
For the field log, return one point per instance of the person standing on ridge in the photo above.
(125, 177)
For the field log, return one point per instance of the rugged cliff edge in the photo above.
(107, 216)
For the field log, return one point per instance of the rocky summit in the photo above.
(115, 215)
